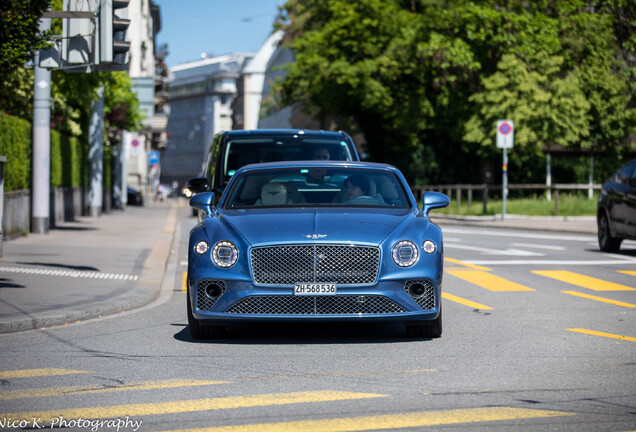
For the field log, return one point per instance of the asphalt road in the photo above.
(539, 335)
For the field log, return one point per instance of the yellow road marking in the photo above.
(29, 373)
(582, 280)
(391, 421)
(472, 266)
(184, 282)
(628, 272)
(601, 299)
(463, 301)
(75, 390)
(597, 333)
(186, 406)
(488, 281)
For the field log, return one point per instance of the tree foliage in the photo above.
(19, 33)
(426, 81)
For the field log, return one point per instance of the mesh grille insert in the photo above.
(315, 305)
(204, 301)
(340, 264)
(427, 300)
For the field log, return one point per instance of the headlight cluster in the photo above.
(406, 253)
(224, 253)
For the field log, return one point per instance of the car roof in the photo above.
(317, 163)
(284, 132)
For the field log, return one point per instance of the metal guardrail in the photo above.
(485, 189)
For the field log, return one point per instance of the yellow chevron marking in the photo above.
(488, 281)
(464, 301)
(597, 333)
(461, 263)
(29, 373)
(628, 272)
(391, 421)
(75, 390)
(186, 406)
(184, 282)
(583, 281)
(601, 299)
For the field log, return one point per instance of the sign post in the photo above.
(505, 140)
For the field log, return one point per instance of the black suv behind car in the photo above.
(616, 209)
(230, 150)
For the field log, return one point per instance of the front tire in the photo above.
(431, 329)
(199, 331)
(606, 242)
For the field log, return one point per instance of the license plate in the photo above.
(315, 289)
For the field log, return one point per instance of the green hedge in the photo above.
(15, 144)
(67, 155)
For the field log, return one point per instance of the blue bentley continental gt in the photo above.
(315, 240)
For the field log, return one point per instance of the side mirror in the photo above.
(203, 201)
(198, 185)
(434, 200)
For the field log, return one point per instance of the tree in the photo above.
(420, 78)
(19, 33)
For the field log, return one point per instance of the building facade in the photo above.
(201, 94)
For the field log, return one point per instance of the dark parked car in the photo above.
(616, 210)
(316, 241)
(135, 197)
(230, 150)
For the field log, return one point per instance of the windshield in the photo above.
(317, 186)
(241, 152)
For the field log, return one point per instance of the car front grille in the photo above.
(315, 305)
(340, 264)
(427, 299)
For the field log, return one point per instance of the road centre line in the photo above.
(601, 299)
(393, 421)
(550, 262)
(582, 280)
(538, 246)
(465, 302)
(30, 373)
(597, 333)
(80, 390)
(488, 281)
(186, 406)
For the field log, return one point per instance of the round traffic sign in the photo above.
(505, 128)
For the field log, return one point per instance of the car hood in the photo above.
(327, 225)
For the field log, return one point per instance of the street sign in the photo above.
(505, 134)
(153, 157)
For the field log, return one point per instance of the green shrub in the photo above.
(15, 144)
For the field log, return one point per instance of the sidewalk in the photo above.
(87, 268)
(573, 224)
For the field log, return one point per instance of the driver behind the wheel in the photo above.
(355, 186)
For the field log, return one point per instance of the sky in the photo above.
(214, 27)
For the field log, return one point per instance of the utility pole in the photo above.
(41, 143)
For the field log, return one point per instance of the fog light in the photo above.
(417, 290)
(214, 291)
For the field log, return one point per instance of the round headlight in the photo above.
(429, 246)
(405, 253)
(225, 254)
(201, 247)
